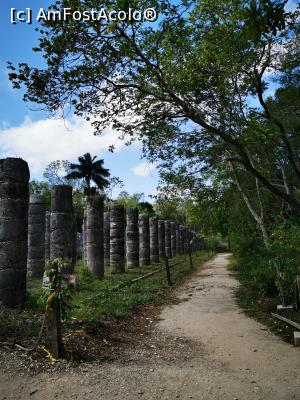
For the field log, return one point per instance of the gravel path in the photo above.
(202, 348)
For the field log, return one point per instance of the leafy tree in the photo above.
(129, 201)
(145, 207)
(43, 188)
(56, 171)
(91, 171)
(180, 85)
(135, 201)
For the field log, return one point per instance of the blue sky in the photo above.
(36, 138)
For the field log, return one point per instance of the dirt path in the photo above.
(202, 348)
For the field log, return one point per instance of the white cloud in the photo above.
(40, 142)
(143, 169)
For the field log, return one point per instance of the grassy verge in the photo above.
(259, 306)
(94, 298)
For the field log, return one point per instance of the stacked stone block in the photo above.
(36, 236)
(117, 238)
(132, 237)
(14, 201)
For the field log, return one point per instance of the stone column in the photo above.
(106, 239)
(185, 236)
(14, 199)
(144, 237)
(161, 240)
(84, 248)
(74, 247)
(47, 237)
(168, 239)
(36, 236)
(154, 253)
(94, 236)
(181, 239)
(117, 239)
(177, 234)
(62, 225)
(132, 237)
(173, 239)
(79, 245)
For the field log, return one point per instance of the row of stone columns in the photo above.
(144, 240)
(29, 235)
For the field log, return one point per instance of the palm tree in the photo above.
(90, 170)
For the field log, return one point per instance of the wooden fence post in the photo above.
(168, 271)
(56, 339)
(55, 323)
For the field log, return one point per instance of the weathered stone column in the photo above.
(185, 235)
(161, 240)
(84, 248)
(106, 238)
(154, 253)
(79, 245)
(132, 237)
(117, 239)
(181, 239)
(94, 236)
(177, 233)
(47, 236)
(168, 239)
(36, 236)
(144, 237)
(74, 247)
(62, 225)
(14, 199)
(173, 239)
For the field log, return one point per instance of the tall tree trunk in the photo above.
(259, 218)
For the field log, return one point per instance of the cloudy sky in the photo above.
(38, 139)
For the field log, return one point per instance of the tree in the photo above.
(56, 171)
(129, 201)
(43, 188)
(135, 201)
(185, 81)
(91, 171)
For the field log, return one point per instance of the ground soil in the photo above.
(204, 347)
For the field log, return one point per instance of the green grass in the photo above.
(259, 306)
(94, 297)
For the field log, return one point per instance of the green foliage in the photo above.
(58, 288)
(90, 170)
(134, 201)
(42, 188)
(129, 201)
(96, 297)
(286, 255)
